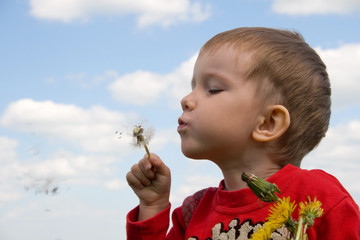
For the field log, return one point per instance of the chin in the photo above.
(193, 154)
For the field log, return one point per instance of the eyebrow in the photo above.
(221, 77)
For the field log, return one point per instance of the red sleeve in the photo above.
(342, 222)
(150, 229)
(155, 227)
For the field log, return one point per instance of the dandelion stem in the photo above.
(147, 150)
(140, 139)
(299, 231)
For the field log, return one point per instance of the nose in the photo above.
(188, 103)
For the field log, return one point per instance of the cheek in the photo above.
(232, 125)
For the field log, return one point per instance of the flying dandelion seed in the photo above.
(45, 185)
(33, 151)
(118, 134)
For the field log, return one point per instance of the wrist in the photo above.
(149, 211)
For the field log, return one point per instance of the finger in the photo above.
(133, 181)
(147, 168)
(159, 165)
(140, 175)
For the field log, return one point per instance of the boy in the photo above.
(260, 102)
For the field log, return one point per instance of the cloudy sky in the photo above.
(73, 73)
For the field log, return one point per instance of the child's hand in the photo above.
(150, 179)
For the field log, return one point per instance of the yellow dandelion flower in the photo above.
(310, 210)
(280, 213)
(262, 233)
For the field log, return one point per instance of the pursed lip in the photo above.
(182, 125)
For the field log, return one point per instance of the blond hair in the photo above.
(289, 72)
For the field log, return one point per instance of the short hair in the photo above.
(288, 72)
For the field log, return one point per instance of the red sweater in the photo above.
(234, 215)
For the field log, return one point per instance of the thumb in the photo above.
(159, 165)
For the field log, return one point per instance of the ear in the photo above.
(272, 124)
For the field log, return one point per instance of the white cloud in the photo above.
(343, 68)
(163, 137)
(149, 12)
(65, 165)
(8, 166)
(83, 80)
(144, 88)
(139, 87)
(115, 184)
(181, 80)
(7, 150)
(341, 142)
(305, 7)
(56, 172)
(62, 217)
(92, 129)
(8, 193)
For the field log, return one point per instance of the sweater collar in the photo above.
(245, 198)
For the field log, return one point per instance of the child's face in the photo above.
(220, 113)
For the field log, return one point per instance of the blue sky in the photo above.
(72, 73)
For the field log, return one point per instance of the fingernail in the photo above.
(148, 166)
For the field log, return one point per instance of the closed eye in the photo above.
(215, 91)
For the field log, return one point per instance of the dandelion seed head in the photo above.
(136, 133)
(138, 130)
(142, 136)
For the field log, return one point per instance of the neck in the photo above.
(232, 173)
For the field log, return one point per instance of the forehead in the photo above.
(222, 61)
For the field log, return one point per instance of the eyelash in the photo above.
(215, 91)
